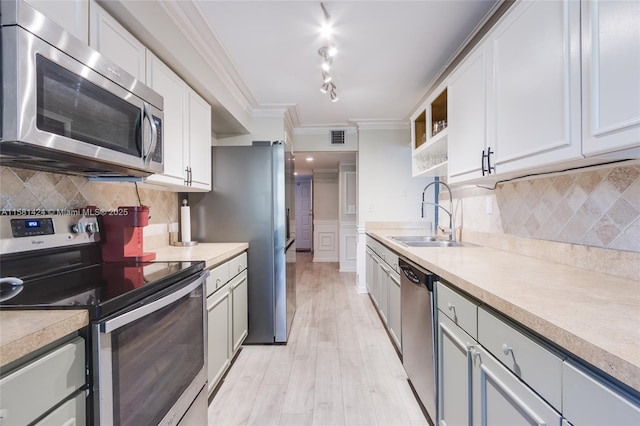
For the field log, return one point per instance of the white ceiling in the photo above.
(389, 52)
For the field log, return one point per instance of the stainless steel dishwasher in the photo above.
(418, 337)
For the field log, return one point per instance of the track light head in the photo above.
(326, 77)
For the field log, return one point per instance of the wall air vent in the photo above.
(337, 137)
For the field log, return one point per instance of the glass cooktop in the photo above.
(101, 288)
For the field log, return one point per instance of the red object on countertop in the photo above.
(121, 235)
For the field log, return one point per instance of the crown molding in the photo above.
(189, 19)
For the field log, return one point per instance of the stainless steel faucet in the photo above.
(452, 221)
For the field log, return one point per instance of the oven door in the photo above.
(57, 108)
(150, 361)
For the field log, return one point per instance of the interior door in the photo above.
(304, 216)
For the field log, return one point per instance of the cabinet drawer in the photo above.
(588, 400)
(30, 391)
(238, 264)
(71, 413)
(219, 277)
(461, 310)
(390, 258)
(534, 364)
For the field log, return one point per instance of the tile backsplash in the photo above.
(594, 207)
(28, 189)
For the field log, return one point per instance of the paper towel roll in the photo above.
(185, 223)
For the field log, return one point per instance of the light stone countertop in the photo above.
(24, 331)
(592, 315)
(212, 253)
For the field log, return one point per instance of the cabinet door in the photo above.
(589, 400)
(395, 313)
(536, 85)
(383, 291)
(111, 39)
(171, 87)
(72, 15)
(468, 116)
(375, 278)
(240, 310)
(501, 399)
(369, 270)
(199, 137)
(218, 338)
(71, 413)
(610, 72)
(454, 374)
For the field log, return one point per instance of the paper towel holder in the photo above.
(184, 211)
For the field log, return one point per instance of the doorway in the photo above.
(304, 213)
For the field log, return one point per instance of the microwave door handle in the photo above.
(154, 137)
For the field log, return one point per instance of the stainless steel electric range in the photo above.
(146, 353)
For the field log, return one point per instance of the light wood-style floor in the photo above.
(338, 368)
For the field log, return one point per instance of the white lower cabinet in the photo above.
(35, 388)
(383, 284)
(240, 307)
(589, 400)
(501, 399)
(395, 309)
(71, 413)
(454, 373)
(383, 291)
(509, 377)
(227, 316)
(218, 337)
(474, 388)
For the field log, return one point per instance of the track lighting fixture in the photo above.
(327, 52)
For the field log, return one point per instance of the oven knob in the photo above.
(77, 228)
(91, 228)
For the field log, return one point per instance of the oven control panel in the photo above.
(31, 227)
(20, 233)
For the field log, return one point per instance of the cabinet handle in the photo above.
(186, 180)
(218, 281)
(490, 169)
(506, 349)
(239, 268)
(484, 170)
(451, 307)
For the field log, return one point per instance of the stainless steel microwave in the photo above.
(67, 108)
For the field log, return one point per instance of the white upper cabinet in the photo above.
(535, 87)
(199, 137)
(187, 131)
(72, 15)
(468, 88)
(111, 39)
(171, 87)
(610, 76)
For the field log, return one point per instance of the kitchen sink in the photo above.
(427, 241)
(409, 238)
(435, 243)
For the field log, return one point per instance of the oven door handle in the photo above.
(128, 317)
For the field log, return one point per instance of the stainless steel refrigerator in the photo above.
(252, 201)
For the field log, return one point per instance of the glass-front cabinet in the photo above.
(429, 136)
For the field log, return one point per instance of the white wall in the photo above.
(325, 195)
(386, 190)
